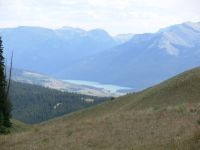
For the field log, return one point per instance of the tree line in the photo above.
(5, 105)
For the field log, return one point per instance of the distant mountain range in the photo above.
(49, 51)
(122, 38)
(137, 61)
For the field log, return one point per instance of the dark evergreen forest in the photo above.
(34, 104)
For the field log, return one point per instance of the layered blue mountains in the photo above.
(131, 60)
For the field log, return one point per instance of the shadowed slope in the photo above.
(18, 126)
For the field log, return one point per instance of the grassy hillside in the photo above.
(163, 117)
(33, 104)
(18, 126)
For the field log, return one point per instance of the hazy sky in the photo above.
(116, 16)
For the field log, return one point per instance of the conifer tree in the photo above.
(5, 105)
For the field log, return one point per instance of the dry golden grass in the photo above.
(145, 129)
(165, 117)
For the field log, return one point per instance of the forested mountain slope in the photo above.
(33, 104)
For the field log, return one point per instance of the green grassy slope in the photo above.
(163, 117)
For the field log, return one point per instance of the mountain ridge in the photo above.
(142, 61)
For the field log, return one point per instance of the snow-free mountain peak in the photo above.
(143, 60)
(179, 36)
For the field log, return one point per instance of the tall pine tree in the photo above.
(5, 105)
